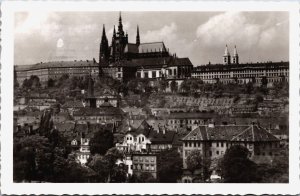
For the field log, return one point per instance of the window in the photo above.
(217, 152)
(153, 74)
(222, 144)
(217, 144)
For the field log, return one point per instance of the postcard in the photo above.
(158, 97)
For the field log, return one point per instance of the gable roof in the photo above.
(252, 133)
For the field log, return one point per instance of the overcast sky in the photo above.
(201, 36)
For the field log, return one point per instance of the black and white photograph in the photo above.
(123, 96)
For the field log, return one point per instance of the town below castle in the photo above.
(140, 113)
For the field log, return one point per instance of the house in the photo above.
(146, 139)
(103, 115)
(144, 163)
(71, 106)
(188, 119)
(84, 151)
(213, 141)
(29, 118)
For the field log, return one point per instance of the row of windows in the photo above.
(142, 159)
(186, 121)
(140, 139)
(144, 167)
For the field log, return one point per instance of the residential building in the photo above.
(146, 139)
(188, 119)
(144, 163)
(84, 151)
(213, 141)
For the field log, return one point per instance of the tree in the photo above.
(169, 166)
(185, 86)
(27, 153)
(32, 83)
(142, 178)
(264, 81)
(249, 87)
(106, 168)
(237, 167)
(278, 170)
(50, 83)
(101, 166)
(195, 161)
(174, 86)
(163, 84)
(101, 141)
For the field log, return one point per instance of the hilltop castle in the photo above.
(123, 60)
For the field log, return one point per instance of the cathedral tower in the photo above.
(104, 50)
(226, 56)
(235, 57)
(119, 42)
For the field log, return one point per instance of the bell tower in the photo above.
(226, 57)
(235, 57)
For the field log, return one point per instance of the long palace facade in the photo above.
(231, 71)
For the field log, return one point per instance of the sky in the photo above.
(201, 36)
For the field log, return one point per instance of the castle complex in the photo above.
(124, 61)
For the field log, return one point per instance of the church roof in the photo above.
(158, 61)
(131, 48)
(253, 133)
(152, 47)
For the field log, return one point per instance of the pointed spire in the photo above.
(120, 27)
(137, 36)
(226, 53)
(114, 34)
(103, 32)
(235, 51)
(120, 17)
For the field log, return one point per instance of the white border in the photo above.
(7, 185)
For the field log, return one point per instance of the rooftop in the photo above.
(252, 133)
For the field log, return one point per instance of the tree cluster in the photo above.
(32, 83)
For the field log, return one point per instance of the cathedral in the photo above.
(123, 60)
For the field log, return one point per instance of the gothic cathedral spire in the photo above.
(137, 36)
(120, 27)
(104, 52)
